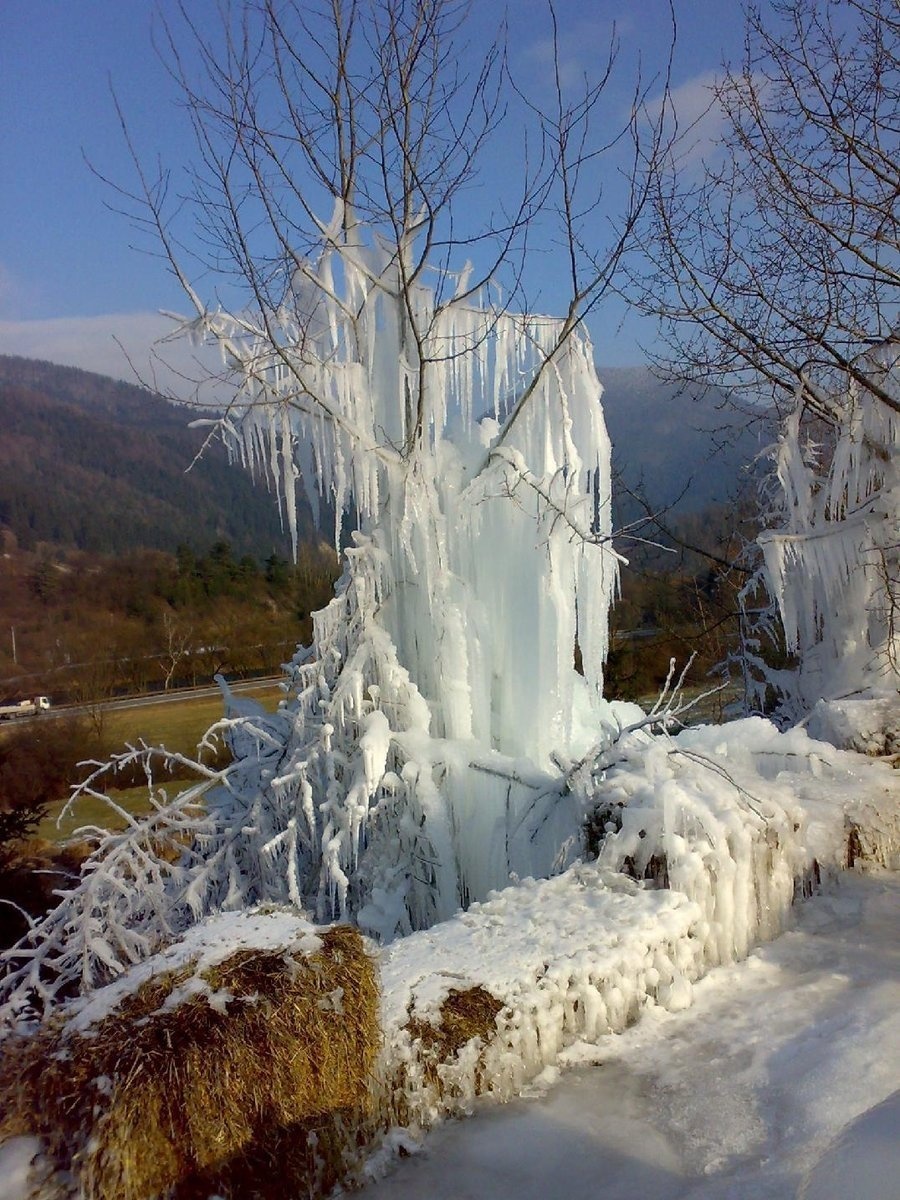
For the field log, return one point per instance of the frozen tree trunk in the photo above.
(477, 462)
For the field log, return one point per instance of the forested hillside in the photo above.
(85, 627)
(682, 447)
(100, 465)
(92, 467)
(123, 570)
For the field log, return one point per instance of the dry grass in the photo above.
(854, 848)
(259, 1100)
(464, 1016)
(178, 724)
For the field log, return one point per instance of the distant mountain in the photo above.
(90, 462)
(94, 463)
(683, 449)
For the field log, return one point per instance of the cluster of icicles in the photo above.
(832, 558)
(440, 700)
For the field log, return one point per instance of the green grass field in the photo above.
(176, 724)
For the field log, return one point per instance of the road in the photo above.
(176, 696)
(199, 693)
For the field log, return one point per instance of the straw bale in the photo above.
(254, 1088)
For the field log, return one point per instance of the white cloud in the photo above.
(582, 46)
(121, 345)
(699, 118)
(695, 105)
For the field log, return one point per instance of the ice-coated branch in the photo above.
(374, 368)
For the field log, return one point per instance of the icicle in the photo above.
(831, 555)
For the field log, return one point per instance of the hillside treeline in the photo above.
(103, 466)
(84, 627)
(679, 598)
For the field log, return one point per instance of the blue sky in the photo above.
(69, 275)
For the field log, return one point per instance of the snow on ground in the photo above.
(781, 1080)
(737, 1096)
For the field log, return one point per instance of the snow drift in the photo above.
(736, 821)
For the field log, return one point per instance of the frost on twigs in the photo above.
(440, 692)
(127, 903)
(832, 549)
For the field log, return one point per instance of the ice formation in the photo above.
(831, 556)
(459, 667)
(723, 826)
(469, 442)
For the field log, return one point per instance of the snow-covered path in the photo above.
(738, 1097)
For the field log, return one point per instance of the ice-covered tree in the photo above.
(381, 356)
(832, 547)
(776, 264)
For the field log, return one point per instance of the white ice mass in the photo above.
(832, 550)
(444, 743)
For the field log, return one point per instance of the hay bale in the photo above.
(467, 1020)
(247, 1078)
(464, 1015)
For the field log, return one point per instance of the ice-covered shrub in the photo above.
(832, 550)
(440, 694)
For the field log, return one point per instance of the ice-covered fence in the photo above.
(569, 958)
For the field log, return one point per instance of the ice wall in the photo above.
(488, 515)
(469, 444)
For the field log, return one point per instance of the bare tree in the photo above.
(776, 269)
(177, 648)
(380, 351)
(780, 262)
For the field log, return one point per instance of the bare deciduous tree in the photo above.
(380, 350)
(781, 262)
(776, 268)
(178, 647)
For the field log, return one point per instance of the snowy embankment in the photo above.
(779, 1082)
(705, 841)
(724, 826)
